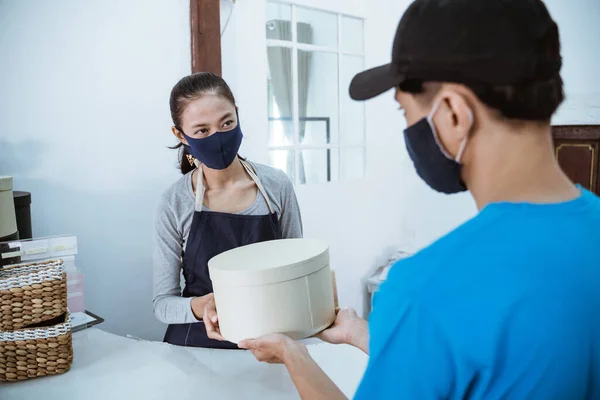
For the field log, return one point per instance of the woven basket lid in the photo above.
(269, 262)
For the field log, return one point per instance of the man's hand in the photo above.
(348, 328)
(211, 319)
(310, 380)
(274, 349)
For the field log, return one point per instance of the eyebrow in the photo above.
(224, 117)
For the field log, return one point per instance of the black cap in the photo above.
(495, 42)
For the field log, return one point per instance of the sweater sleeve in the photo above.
(290, 218)
(169, 307)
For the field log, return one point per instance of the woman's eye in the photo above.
(228, 123)
(203, 131)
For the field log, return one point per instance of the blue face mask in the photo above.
(218, 150)
(434, 165)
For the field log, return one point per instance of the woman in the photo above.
(222, 202)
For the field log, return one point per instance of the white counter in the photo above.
(107, 366)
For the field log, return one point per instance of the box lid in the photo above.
(6, 183)
(269, 262)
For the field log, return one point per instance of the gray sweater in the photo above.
(172, 225)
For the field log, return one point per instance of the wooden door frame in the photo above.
(576, 132)
(580, 136)
(205, 24)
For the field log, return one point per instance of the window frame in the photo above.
(296, 147)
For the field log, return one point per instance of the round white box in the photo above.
(8, 222)
(279, 286)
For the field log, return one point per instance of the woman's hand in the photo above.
(274, 349)
(204, 310)
(211, 319)
(348, 328)
(198, 303)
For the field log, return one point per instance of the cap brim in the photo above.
(374, 81)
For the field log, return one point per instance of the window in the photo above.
(316, 132)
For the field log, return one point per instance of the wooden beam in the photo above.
(205, 22)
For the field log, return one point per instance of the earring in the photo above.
(190, 159)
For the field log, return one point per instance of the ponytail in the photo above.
(184, 165)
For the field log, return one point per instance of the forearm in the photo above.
(360, 336)
(173, 310)
(310, 380)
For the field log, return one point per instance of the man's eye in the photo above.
(228, 123)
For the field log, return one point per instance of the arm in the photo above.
(309, 379)
(290, 218)
(360, 336)
(348, 328)
(169, 307)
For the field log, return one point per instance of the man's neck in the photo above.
(518, 167)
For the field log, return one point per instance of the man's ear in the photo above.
(179, 135)
(453, 120)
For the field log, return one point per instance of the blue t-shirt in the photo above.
(507, 306)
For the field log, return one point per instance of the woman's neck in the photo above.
(218, 178)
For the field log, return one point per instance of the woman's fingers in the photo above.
(210, 313)
(214, 335)
(211, 321)
(212, 330)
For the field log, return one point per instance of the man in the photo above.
(507, 305)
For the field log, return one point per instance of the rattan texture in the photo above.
(31, 294)
(35, 352)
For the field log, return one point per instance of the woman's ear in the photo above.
(179, 135)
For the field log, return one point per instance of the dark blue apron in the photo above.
(211, 234)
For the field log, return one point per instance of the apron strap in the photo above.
(256, 180)
(200, 189)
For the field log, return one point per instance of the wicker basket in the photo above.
(32, 293)
(33, 352)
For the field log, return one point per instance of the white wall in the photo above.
(361, 220)
(84, 125)
(429, 214)
(578, 23)
(364, 221)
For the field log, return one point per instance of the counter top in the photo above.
(107, 366)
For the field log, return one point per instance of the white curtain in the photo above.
(280, 65)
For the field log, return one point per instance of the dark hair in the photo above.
(191, 88)
(535, 100)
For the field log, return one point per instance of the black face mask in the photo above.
(433, 164)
